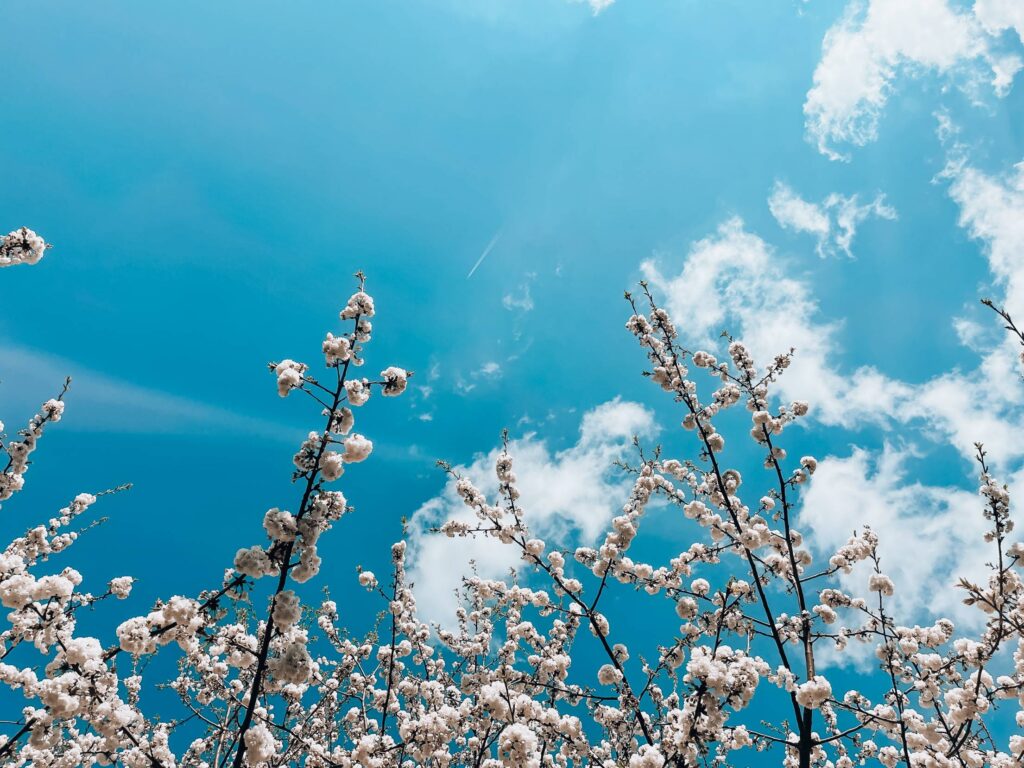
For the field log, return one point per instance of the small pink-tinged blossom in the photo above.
(357, 448)
(280, 525)
(342, 420)
(293, 664)
(287, 609)
(289, 376)
(881, 583)
(686, 608)
(22, 246)
(260, 745)
(359, 304)
(609, 675)
(395, 381)
(814, 692)
(121, 587)
(649, 756)
(358, 391)
(135, 637)
(517, 746)
(337, 349)
(332, 465)
(254, 562)
(702, 359)
(53, 409)
(700, 587)
(16, 591)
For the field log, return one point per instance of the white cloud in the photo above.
(928, 535)
(565, 493)
(985, 404)
(522, 302)
(982, 405)
(793, 212)
(999, 15)
(833, 222)
(735, 281)
(969, 332)
(876, 42)
(596, 5)
(992, 210)
(100, 403)
(490, 369)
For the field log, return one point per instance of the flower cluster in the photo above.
(535, 672)
(22, 246)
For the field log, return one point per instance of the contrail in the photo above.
(487, 250)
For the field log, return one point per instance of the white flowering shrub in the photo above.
(265, 678)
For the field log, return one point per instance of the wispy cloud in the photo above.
(521, 302)
(833, 222)
(878, 41)
(488, 371)
(101, 403)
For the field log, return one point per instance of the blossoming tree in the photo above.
(266, 678)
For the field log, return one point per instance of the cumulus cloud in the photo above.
(992, 211)
(985, 404)
(876, 42)
(833, 222)
(572, 492)
(931, 534)
(734, 280)
(999, 15)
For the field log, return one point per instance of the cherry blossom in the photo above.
(535, 671)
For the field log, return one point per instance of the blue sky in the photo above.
(211, 175)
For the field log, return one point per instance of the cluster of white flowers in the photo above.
(22, 246)
(882, 584)
(357, 448)
(12, 479)
(268, 678)
(337, 349)
(289, 376)
(360, 304)
(395, 381)
(814, 693)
